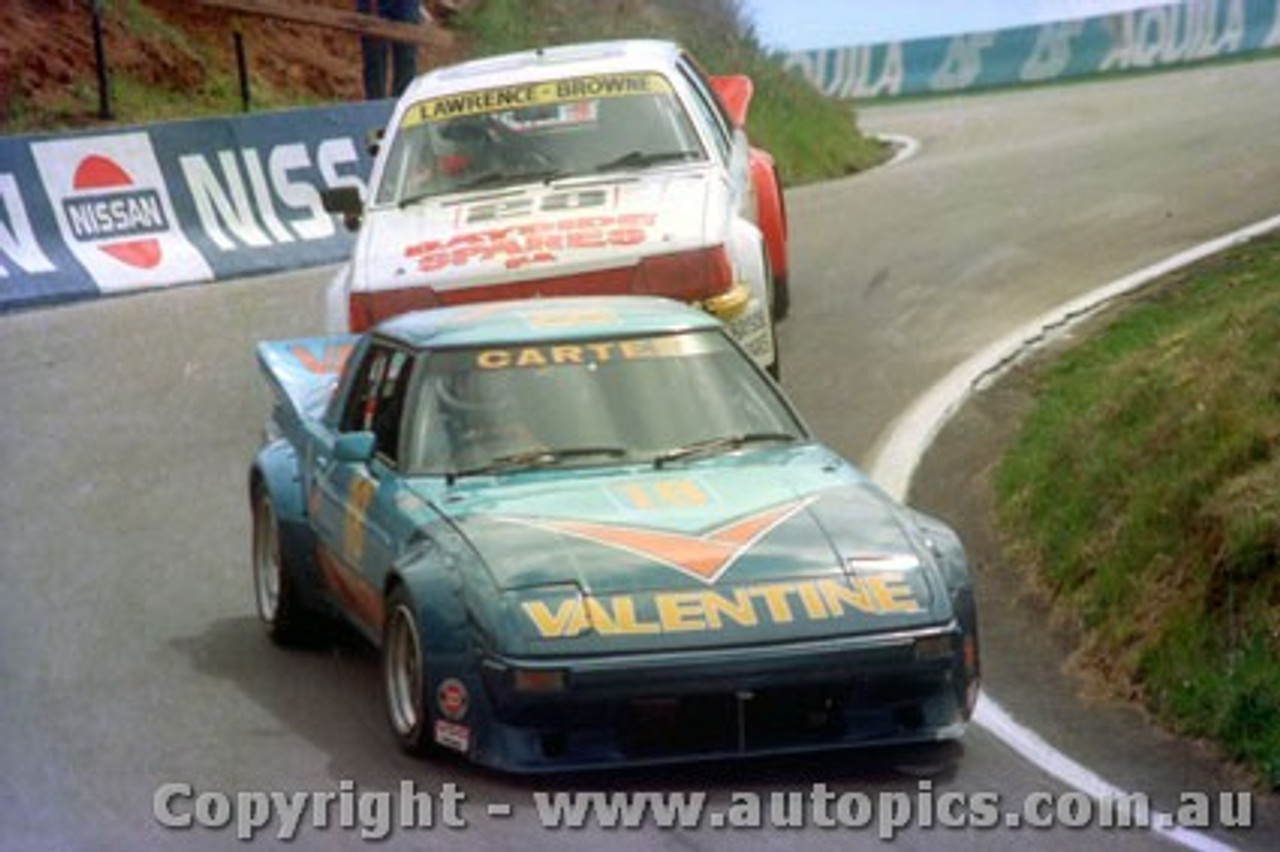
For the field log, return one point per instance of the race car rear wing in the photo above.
(303, 373)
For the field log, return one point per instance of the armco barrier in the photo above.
(1161, 35)
(94, 214)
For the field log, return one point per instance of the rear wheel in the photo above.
(404, 675)
(780, 291)
(775, 369)
(276, 594)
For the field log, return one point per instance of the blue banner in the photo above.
(35, 266)
(89, 214)
(1144, 39)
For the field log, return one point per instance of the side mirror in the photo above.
(734, 91)
(344, 200)
(355, 447)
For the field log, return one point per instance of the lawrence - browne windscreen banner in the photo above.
(1161, 35)
(95, 214)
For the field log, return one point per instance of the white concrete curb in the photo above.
(898, 450)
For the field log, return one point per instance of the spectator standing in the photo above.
(375, 51)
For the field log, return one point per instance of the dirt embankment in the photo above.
(48, 72)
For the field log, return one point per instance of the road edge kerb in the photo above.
(904, 148)
(898, 451)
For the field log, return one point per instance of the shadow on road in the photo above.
(331, 697)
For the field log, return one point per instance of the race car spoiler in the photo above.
(303, 372)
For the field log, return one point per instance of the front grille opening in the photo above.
(554, 744)
(910, 717)
(733, 722)
(688, 725)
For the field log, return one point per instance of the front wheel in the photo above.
(404, 675)
(275, 589)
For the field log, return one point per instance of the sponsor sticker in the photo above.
(757, 606)
(540, 242)
(529, 95)
(114, 211)
(571, 318)
(451, 735)
(583, 354)
(452, 698)
(751, 330)
(324, 359)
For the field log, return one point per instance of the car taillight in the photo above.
(689, 276)
(368, 309)
(359, 313)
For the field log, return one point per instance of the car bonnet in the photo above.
(722, 553)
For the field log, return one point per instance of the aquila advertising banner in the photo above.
(1161, 35)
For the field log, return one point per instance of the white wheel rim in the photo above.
(403, 672)
(266, 561)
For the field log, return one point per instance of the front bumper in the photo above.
(903, 687)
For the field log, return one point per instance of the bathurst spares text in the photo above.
(376, 814)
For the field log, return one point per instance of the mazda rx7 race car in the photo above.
(604, 168)
(590, 531)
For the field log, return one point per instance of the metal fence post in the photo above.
(242, 64)
(100, 57)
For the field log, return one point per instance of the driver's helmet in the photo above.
(467, 146)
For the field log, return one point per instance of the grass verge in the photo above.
(1144, 492)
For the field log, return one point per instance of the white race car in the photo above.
(605, 168)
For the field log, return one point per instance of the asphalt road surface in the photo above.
(130, 657)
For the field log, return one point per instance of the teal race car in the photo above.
(593, 531)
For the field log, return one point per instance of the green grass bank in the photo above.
(1144, 493)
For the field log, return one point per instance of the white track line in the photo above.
(898, 452)
(904, 148)
(899, 449)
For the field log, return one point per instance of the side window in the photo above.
(377, 398)
(708, 105)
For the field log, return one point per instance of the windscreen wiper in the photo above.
(537, 457)
(723, 444)
(417, 198)
(497, 178)
(644, 159)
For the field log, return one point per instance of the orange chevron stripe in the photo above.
(705, 556)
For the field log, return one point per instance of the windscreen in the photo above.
(536, 131)
(589, 403)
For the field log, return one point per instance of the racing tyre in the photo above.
(275, 589)
(774, 369)
(781, 290)
(404, 675)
